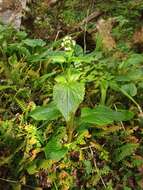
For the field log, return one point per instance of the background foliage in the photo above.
(71, 109)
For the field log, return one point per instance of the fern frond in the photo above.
(125, 151)
(21, 104)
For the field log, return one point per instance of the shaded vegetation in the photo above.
(71, 90)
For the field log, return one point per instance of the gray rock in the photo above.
(11, 12)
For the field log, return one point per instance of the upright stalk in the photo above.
(70, 128)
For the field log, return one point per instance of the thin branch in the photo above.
(122, 125)
(96, 168)
(90, 17)
(16, 182)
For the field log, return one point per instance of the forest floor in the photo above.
(71, 93)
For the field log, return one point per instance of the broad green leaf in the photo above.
(57, 56)
(53, 56)
(43, 164)
(130, 89)
(67, 97)
(78, 50)
(132, 75)
(58, 59)
(32, 168)
(54, 149)
(84, 59)
(102, 115)
(34, 42)
(69, 76)
(17, 48)
(23, 51)
(49, 112)
(57, 154)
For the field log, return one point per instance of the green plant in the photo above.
(70, 119)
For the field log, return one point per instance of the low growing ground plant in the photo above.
(69, 119)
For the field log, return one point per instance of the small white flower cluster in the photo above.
(68, 44)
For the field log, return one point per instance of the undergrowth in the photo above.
(69, 119)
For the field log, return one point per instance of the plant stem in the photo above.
(70, 128)
(122, 125)
(17, 182)
(132, 99)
